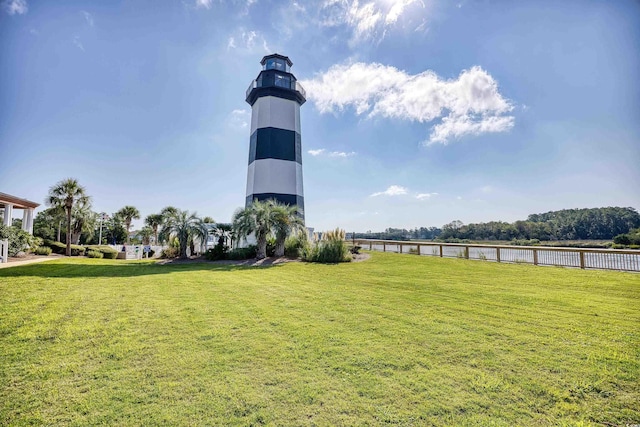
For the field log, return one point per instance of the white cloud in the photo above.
(393, 190)
(13, 7)
(367, 20)
(239, 118)
(469, 104)
(78, 43)
(88, 17)
(457, 126)
(487, 189)
(396, 10)
(203, 3)
(342, 154)
(322, 151)
(425, 196)
(250, 41)
(316, 152)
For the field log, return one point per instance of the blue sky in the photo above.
(418, 112)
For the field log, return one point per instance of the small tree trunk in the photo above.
(59, 228)
(261, 251)
(68, 231)
(279, 248)
(183, 248)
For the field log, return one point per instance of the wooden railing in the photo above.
(606, 259)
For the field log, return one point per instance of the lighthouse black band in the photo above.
(274, 143)
(288, 199)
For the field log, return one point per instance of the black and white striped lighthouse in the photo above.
(275, 149)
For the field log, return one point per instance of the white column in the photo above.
(25, 219)
(8, 213)
(30, 217)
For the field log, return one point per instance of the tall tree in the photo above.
(145, 234)
(83, 220)
(286, 220)
(154, 221)
(258, 219)
(185, 227)
(128, 214)
(65, 194)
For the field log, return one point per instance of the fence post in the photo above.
(440, 251)
(535, 257)
(498, 254)
(418, 249)
(582, 259)
(384, 247)
(400, 246)
(466, 252)
(370, 246)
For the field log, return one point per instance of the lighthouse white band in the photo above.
(270, 111)
(274, 176)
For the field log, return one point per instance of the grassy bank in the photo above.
(398, 339)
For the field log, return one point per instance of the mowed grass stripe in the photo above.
(398, 339)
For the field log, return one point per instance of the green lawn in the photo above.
(397, 339)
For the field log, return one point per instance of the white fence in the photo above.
(136, 251)
(606, 259)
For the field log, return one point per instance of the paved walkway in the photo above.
(13, 262)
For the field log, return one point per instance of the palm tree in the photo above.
(185, 227)
(257, 218)
(128, 214)
(168, 211)
(154, 221)
(84, 219)
(64, 195)
(287, 219)
(145, 234)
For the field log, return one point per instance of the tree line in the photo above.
(69, 218)
(566, 224)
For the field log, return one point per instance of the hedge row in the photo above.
(79, 250)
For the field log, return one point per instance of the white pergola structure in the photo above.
(9, 203)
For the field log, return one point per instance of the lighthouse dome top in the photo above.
(276, 62)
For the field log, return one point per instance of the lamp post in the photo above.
(103, 217)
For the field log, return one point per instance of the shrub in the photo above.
(19, 240)
(630, 238)
(43, 250)
(331, 249)
(218, 252)
(243, 253)
(61, 248)
(170, 252)
(295, 246)
(94, 254)
(271, 246)
(107, 251)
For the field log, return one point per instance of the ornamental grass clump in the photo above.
(43, 250)
(331, 248)
(94, 254)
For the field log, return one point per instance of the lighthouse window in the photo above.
(283, 81)
(276, 64)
